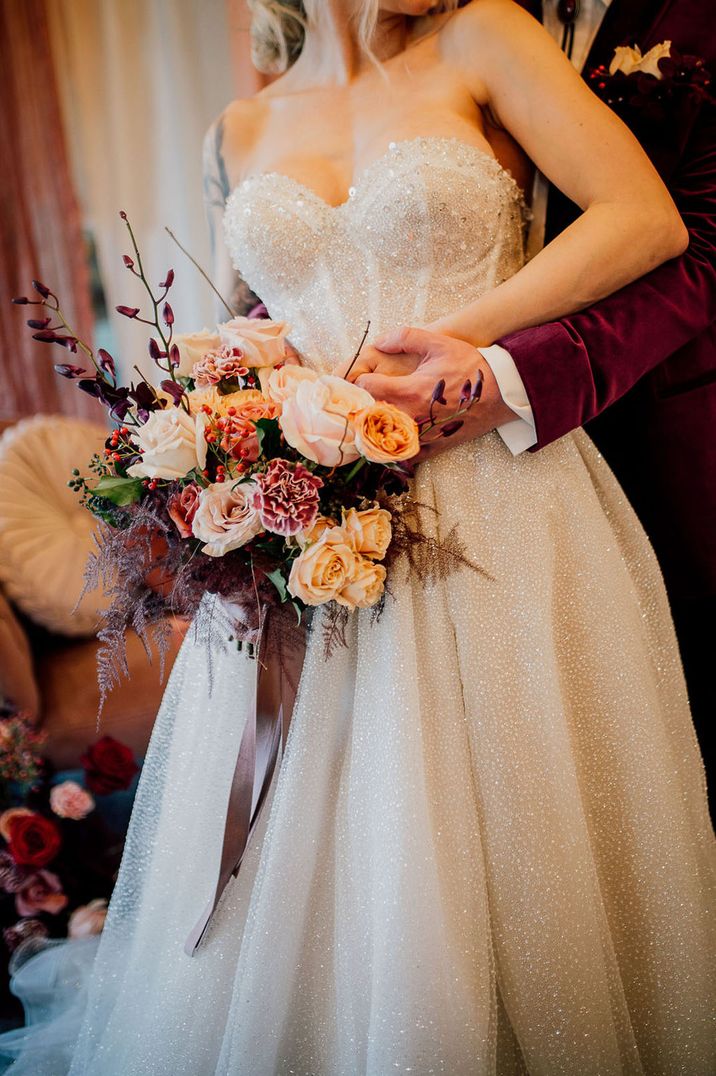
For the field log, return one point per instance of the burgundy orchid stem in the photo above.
(81, 343)
(139, 271)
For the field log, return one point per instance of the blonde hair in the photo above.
(278, 30)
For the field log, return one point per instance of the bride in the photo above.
(487, 850)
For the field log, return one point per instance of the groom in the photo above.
(637, 369)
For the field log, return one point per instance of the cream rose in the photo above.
(318, 419)
(283, 382)
(365, 586)
(226, 518)
(629, 60)
(88, 919)
(172, 444)
(262, 340)
(385, 434)
(369, 530)
(192, 346)
(321, 571)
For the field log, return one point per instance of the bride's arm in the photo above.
(629, 223)
(217, 187)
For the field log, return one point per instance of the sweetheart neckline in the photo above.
(381, 160)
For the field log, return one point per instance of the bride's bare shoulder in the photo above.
(478, 23)
(230, 138)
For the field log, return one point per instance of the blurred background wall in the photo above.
(104, 107)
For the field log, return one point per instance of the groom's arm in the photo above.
(574, 368)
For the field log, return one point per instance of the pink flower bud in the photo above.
(167, 283)
(128, 311)
(128, 261)
(168, 314)
(39, 287)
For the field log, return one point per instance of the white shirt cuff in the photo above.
(519, 434)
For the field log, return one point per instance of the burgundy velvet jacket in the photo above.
(638, 369)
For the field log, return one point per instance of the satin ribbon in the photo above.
(265, 732)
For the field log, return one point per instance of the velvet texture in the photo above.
(648, 352)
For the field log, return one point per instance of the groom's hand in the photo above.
(402, 367)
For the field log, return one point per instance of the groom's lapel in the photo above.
(626, 22)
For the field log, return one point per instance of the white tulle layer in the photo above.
(487, 851)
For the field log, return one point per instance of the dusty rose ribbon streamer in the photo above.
(265, 732)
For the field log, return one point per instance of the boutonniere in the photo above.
(650, 87)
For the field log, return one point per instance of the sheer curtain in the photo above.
(141, 80)
(40, 228)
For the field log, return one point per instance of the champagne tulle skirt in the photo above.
(487, 850)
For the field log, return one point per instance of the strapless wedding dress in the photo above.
(487, 850)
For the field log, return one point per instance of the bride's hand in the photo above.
(373, 361)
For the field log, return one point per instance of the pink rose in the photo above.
(318, 419)
(182, 508)
(70, 800)
(287, 497)
(226, 518)
(42, 892)
(88, 920)
(262, 341)
(223, 363)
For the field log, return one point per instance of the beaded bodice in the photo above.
(430, 225)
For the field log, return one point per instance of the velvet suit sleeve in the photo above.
(575, 367)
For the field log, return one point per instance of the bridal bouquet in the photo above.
(245, 474)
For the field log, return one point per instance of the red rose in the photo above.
(109, 766)
(34, 840)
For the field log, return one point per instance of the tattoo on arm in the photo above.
(216, 190)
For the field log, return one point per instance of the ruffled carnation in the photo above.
(220, 364)
(287, 497)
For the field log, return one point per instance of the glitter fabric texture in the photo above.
(487, 852)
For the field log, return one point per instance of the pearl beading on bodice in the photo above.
(429, 226)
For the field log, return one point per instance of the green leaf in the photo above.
(355, 468)
(298, 610)
(119, 490)
(279, 582)
(268, 433)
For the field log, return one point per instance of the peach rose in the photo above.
(385, 434)
(70, 800)
(262, 341)
(370, 531)
(172, 444)
(321, 571)
(192, 348)
(6, 819)
(630, 60)
(314, 533)
(318, 419)
(284, 380)
(365, 587)
(88, 919)
(226, 518)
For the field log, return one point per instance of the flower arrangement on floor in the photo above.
(58, 856)
(245, 474)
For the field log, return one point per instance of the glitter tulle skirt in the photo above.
(487, 850)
